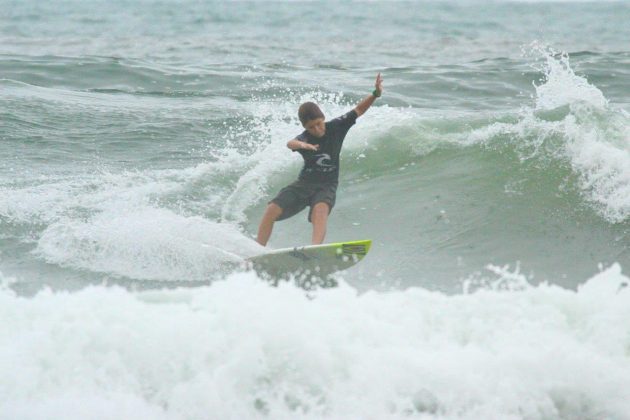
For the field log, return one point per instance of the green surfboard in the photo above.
(313, 264)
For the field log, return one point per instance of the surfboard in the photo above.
(309, 264)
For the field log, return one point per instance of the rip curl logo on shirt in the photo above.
(321, 160)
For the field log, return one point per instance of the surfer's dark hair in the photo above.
(309, 111)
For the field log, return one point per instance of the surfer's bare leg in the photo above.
(272, 213)
(319, 218)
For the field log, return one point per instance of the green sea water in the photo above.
(480, 151)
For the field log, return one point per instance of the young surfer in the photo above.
(316, 187)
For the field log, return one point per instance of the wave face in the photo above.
(140, 142)
(134, 193)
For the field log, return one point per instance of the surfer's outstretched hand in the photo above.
(366, 103)
(379, 84)
(308, 146)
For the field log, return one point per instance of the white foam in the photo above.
(145, 243)
(242, 349)
(115, 223)
(51, 197)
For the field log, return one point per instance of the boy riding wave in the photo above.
(320, 145)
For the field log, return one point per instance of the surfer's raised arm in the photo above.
(366, 103)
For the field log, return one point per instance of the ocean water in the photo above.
(140, 141)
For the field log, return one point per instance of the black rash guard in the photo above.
(322, 166)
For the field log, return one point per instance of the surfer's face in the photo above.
(316, 127)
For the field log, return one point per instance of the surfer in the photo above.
(316, 186)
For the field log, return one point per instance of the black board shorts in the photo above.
(294, 198)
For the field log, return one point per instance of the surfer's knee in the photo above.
(320, 211)
(273, 211)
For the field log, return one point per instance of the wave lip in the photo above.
(574, 125)
(597, 137)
